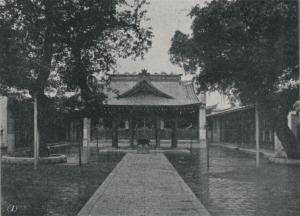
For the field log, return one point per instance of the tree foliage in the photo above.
(60, 44)
(27, 32)
(71, 38)
(95, 34)
(248, 49)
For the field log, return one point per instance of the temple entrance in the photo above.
(144, 128)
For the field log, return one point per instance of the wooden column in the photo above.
(131, 132)
(114, 132)
(174, 132)
(157, 132)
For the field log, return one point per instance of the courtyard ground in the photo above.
(144, 185)
(53, 190)
(234, 187)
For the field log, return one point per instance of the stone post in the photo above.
(202, 142)
(3, 120)
(202, 127)
(86, 138)
(86, 132)
(10, 133)
(279, 150)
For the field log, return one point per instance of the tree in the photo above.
(28, 31)
(95, 33)
(247, 49)
(71, 38)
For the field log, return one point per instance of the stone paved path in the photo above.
(143, 185)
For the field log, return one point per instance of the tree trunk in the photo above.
(287, 137)
(35, 132)
(81, 75)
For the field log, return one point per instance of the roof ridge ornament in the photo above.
(144, 72)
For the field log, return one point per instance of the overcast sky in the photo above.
(166, 16)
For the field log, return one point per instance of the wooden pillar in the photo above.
(131, 132)
(115, 132)
(174, 132)
(157, 132)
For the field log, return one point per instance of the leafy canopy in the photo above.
(248, 50)
(244, 48)
(67, 40)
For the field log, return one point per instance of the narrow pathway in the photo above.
(143, 185)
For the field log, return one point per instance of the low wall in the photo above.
(53, 159)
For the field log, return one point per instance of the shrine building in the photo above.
(159, 107)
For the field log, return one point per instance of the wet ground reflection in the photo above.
(234, 187)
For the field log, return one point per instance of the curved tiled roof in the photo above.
(151, 90)
(217, 112)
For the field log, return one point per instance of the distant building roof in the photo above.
(146, 89)
(217, 112)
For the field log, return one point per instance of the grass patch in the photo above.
(53, 189)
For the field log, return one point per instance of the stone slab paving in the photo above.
(143, 185)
